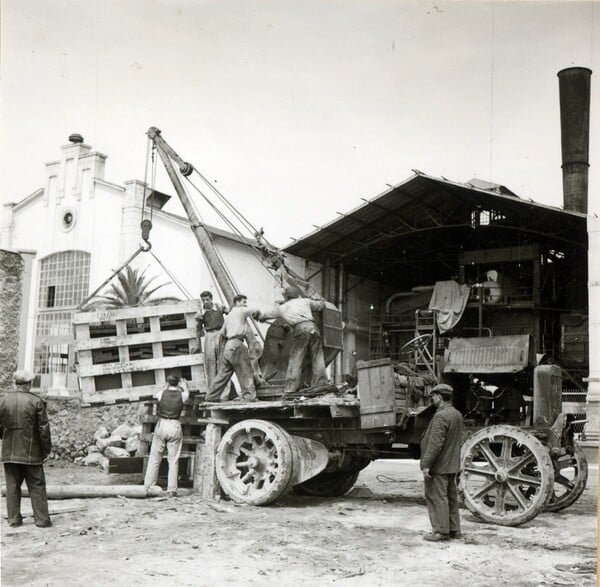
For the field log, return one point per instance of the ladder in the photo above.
(375, 336)
(425, 324)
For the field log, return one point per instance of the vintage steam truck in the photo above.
(519, 455)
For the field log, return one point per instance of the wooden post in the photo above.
(147, 427)
(205, 471)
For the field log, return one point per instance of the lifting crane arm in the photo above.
(168, 155)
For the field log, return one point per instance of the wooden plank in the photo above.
(84, 358)
(340, 411)
(132, 394)
(123, 353)
(157, 349)
(223, 422)
(374, 363)
(262, 404)
(301, 411)
(87, 386)
(137, 312)
(124, 465)
(143, 365)
(377, 394)
(377, 409)
(186, 420)
(192, 439)
(205, 472)
(130, 339)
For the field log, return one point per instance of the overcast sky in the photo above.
(297, 108)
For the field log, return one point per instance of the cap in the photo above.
(173, 379)
(291, 292)
(23, 376)
(443, 389)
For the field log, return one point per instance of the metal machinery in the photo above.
(519, 456)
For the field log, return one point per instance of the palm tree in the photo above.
(133, 289)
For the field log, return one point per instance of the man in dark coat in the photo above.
(25, 444)
(440, 463)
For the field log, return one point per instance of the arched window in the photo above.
(63, 284)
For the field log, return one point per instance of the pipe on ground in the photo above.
(73, 491)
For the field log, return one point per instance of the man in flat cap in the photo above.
(440, 464)
(25, 445)
(297, 312)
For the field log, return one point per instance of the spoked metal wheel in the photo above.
(506, 475)
(258, 462)
(570, 479)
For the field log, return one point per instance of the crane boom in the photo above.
(168, 155)
(278, 341)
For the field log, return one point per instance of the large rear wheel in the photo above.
(570, 479)
(258, 462)
(506, 475)
(255, 462)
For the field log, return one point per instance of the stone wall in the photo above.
(72, 427)
(11, 283)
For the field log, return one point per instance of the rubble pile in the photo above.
(90, 435)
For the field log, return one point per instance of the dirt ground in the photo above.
(373, 536)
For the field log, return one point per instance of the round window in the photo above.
(68, 219)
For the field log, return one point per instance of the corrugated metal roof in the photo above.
(420, 224)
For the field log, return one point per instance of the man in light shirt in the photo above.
(297, 312)
(234, 357)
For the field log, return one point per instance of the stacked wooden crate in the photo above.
(125, 355)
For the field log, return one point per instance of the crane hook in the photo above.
(146, 226)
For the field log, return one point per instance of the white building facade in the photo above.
(77, 229)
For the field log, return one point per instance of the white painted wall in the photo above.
(107, 225)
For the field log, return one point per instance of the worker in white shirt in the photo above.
(234, 357)
(167, 433)
(297, 312)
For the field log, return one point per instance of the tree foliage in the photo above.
(131, 288)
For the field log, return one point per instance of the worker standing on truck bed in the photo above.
(297, 312)
(167, 433)
(234, 357)
(208, 325)
(440, 463)
(26, 443)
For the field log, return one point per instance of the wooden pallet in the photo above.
(126, 355)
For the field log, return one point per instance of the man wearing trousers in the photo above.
(209, 323)
(167, 433)
(234, 357)
(26, 443)
(298, 313)
(440, 464)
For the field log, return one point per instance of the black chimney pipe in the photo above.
(574, 90)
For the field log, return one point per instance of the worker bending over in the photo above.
(297, 312)
(167, 433)
(208, 325)
(234, 357)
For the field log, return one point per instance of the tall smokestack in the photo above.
(574, 90)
